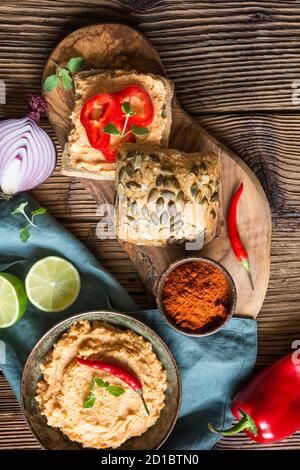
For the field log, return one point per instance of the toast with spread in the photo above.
(99, 101)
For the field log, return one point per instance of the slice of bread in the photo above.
(82, 160)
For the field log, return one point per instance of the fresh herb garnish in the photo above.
(113, 390)
(139, 130)
(128, 111)
(24, 231)
(110, 128)
(75, 64)
(63, 75)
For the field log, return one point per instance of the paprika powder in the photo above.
(195, 295)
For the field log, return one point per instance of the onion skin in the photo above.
(27, 154)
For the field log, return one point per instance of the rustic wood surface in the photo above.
(233, 64)
(102, 46)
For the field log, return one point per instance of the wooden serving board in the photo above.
(113, 46)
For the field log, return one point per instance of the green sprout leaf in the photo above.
(115, 391)
(20, 208)
(51, 83)
(39, 211)
(75, 64)
(139, 130)
(110, 128)
(127, 109)
(24, 231)
(24, 234)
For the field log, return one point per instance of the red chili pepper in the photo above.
(140, 101)
(234, 236)
(269, 405)
(118, 372)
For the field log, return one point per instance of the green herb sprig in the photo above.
(24, 231)
(128, 111)
(63, 75)
(113, 390)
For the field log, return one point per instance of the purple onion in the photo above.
(27, 154)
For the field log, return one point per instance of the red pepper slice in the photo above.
(118, 372)
(104, 108)
(140, 101)
(96, 112)
(110, 152)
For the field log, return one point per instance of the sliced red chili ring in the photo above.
(144, 108)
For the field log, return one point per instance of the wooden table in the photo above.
(233, 64)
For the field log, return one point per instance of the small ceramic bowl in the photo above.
(52, 438)
(205, 331)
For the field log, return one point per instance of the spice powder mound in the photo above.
(196, 295)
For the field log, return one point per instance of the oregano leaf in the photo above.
(75, 64)
(139, 130)
(110, 128)
(51, 83)
(115, 391)
(89, 403)
(99, 382)
(67, 81)
(127, 108)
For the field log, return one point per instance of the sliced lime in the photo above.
(13, 299)
(52, 284)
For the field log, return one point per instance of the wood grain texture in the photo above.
(209, 49)
(222, 56)
(111, 45)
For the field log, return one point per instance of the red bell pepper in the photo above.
(105, 108)
(268, 407)
(140, 101)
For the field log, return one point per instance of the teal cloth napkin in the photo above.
(212, 368)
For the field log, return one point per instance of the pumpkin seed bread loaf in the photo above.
(165, 196)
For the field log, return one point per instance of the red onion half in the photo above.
(27, 154)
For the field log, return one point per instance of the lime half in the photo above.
(13, 299)
(52, 284)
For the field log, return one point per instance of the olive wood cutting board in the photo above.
(113, 46)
